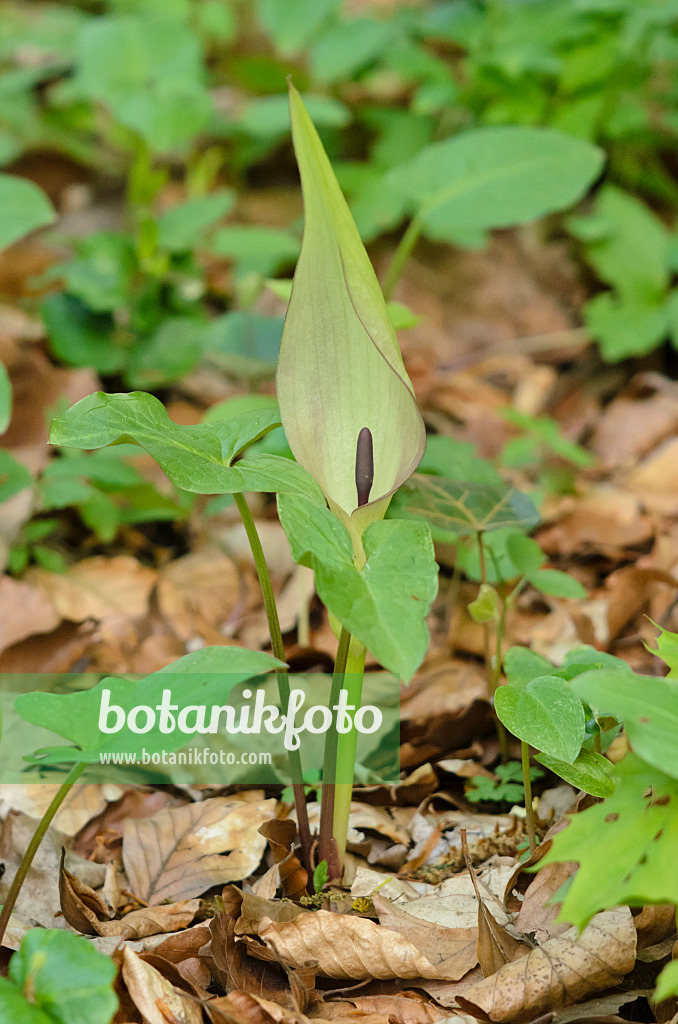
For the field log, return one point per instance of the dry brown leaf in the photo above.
(184, 945)
(655, 479)
(630, 428)
(158, 1001)
(565, 970)
(494, 946)
(537, 913)
(87, 912)
(25, 610)
(608, 520)
(404, 1008)
(230, 962)
(654, 924)
(179, 853)
(280, 837)
(198, 593)
(248, 1008)
(347, 946)
(97, 587)
(83, 803)
(104, 832)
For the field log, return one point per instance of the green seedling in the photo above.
(505, 787)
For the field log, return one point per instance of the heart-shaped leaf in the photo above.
(546, 715)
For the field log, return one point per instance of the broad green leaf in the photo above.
(172, 351)
(384, 605)
(195, 458)
(65, 979)
(667, 982)
(293, 24)
(5, 399)
(182, 227)
(495, 177)
(525, 554)
(626, 243)
(667, 650)
(557, 584)
(205, 677)
(269, 116)
(348, 46)
(243, 344)
(13, 476)
(79, 337)
(340, 368)
(464, 508)
(545, 714)
(23, 208)
(101, 273)
(626, 326)
(458, 460)
(589, 771)
(647, 706)
(256, 250)
(625, 846)
(523, 665)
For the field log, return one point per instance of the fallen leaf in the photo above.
(608, 519)
(25, 610)
(96, 587)
(346, 946)
(198, 593)
(280, 837)
(178, 853)
(158, 1001)
(247, 1008)
(565, 970)
(537, 915)
(404, 1008)
(83, 803)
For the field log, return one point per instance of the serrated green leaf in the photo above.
(625, 846)
(589, 771)
(495, 177)
(205, 677)
(23, 208)
(545, 714)
(667, 650)
(384, 605)
(195, 458)
(68, 980)
(647, 706)
(464, 508)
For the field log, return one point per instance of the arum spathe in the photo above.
(346, 402)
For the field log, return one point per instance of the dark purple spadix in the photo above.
(364, 466)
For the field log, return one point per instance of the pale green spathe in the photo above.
(340, 367)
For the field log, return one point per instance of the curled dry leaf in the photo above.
(26, 610)
(83, 803)
(280, 836)
(563, 971)
(229, 960)
(179, 852)
(247, 1008)
(198, 593)
(87, 912)
(352, 947)
(158, 1001)
(404, 1008)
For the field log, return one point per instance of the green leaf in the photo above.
(182, 227)
(66, 980)
(13, 476)
(494, 177)
(348, 46)
(243, 344)
(23, 208)
(79, 337)
(626, 326)
(626, 243)
(340, 369)
(590, 771)
(557, 584)
(172, 351)
(522, 665)
(464, 508)
(384, 605)
(256, 250)
(667, 650)
(638, 824)
(196, 458)
(667, 982)
(101, 274)
(320, 876)
(293, 25)
(205, 677)
(269, 116)
(458, 460)
(5, 399)
(525, 554)
(647, 706)
(485, 608)
(545, 714)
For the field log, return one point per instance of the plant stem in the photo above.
(326, 847)
(401, 256)
(32, 848)
(278, 649)
(491, 668)
(527, 784)
(346, 751)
